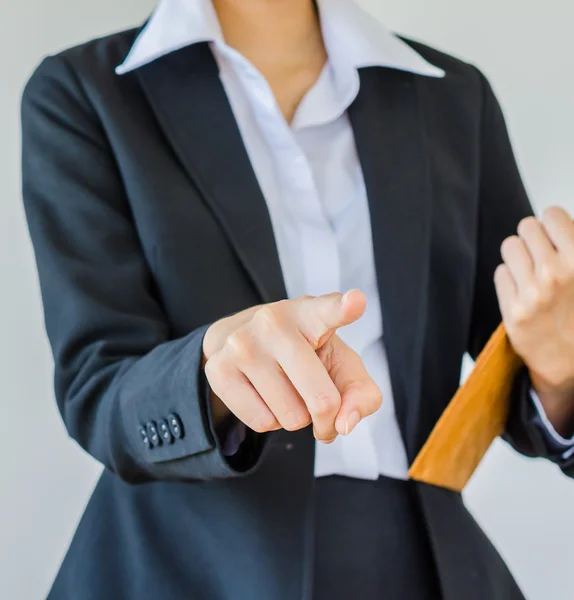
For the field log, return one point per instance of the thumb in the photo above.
(360, 395)
(319, 317)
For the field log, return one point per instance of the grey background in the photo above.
(524, 47)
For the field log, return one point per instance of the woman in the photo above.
(201, 194)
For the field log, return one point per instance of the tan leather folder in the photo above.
(474, 418)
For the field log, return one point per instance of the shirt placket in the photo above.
(318, 251)
(316, 235)
(300, 196)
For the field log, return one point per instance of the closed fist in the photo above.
(282, 365)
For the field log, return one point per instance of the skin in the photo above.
(535, 287)
(282, 365)
(282, 39)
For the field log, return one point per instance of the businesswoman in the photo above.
(266, 233)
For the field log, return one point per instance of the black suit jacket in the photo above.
(148, 225)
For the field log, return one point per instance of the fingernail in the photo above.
(352, 421)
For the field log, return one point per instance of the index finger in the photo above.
(317, 318)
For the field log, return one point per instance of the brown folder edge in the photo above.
(420, 469)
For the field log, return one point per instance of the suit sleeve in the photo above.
(119, 376)
(503, 203)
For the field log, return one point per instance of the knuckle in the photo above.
(500, 272)
(298, 423)
(509, 244)
(537, 298)
(303, 305)
(262, 423)
(527, 225)
(371, 398)
(241, 345)
(323, 404)
(325, 437)
(519, 315)
(552, 214)
(551, 279)
(375, 399)
(213, 367)
(268, 319)
(534, 303)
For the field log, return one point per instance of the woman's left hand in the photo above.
(535, 288)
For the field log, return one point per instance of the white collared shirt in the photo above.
(312, 181)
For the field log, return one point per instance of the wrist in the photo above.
(219, 411)
(558, 403)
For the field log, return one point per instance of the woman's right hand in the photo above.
(281, 365)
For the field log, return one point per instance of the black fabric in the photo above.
(148, 225)
(370, 542)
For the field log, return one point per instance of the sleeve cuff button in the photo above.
(175, 426)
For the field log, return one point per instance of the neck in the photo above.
(273, 34)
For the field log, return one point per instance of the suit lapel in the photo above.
(190, 103)
(390, 140)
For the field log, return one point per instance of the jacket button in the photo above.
(153, 433)
(145, 438)
(165, 432)
(175, 425)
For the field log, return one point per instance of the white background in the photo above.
(526, 507)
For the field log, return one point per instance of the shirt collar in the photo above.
(358, 39)
(351, 35)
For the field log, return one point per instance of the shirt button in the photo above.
(175, 425)
(145, 438)
(153, 433)
(165, 432)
